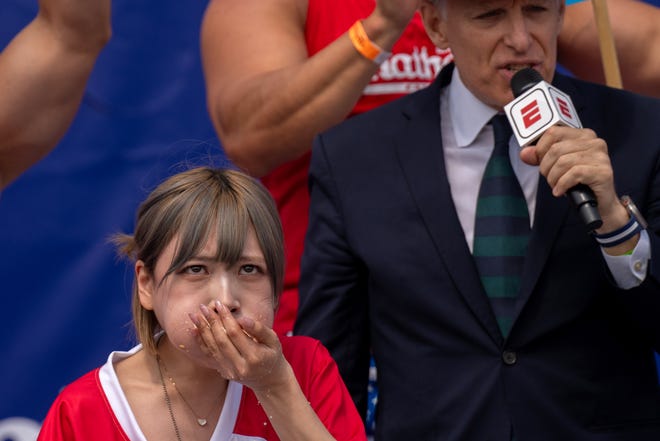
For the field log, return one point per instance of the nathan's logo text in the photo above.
(406, 72)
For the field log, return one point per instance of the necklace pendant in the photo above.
(201, 421)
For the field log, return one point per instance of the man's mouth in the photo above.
(516, 67)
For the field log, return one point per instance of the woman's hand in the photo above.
(242, 349)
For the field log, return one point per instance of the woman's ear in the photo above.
(434, 23)
(145, 285)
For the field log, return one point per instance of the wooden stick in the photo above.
(607, 46)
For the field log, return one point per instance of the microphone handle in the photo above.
(585, 201)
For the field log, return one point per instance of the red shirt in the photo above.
(414, 63)
(95, 408)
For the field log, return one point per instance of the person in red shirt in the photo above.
(209, 265)
(290, 71)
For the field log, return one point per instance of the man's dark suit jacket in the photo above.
(386, 267)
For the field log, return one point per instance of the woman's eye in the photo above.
(194, 269)
(249, 269)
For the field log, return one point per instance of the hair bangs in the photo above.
(202, 215)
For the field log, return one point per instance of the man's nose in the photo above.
(518, 37)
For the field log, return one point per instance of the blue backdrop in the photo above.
(66, 297)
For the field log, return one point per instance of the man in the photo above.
(388, 263)
(43, 73)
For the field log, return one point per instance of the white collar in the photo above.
(126, 418)
(468, 114)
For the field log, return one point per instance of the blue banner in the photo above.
(66, 297)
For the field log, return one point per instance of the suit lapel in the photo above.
(419, 150)
(548, 219)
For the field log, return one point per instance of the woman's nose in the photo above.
(223, 293)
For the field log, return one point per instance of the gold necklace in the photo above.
(167, 400)
(201, 421)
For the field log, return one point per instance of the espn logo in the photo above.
(538, 109)
(531, 114)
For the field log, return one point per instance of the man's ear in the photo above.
(145, 285)
(434, 23)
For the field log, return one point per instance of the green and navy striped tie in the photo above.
(501, 229)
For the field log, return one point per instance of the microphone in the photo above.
(537, 106)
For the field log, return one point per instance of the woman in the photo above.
(209, 265)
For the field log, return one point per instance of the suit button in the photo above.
(509, 357)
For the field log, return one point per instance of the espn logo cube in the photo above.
(538, 109)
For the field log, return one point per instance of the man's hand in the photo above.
(568, 156)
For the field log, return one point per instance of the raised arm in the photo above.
(43, 73)
(266, 97)
(636, 29)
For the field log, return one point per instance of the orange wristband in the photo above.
(365, 46)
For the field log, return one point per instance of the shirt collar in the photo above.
(468, 114)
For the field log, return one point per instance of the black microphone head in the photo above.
(523, 80)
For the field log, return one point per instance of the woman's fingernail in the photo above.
(195, 320)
